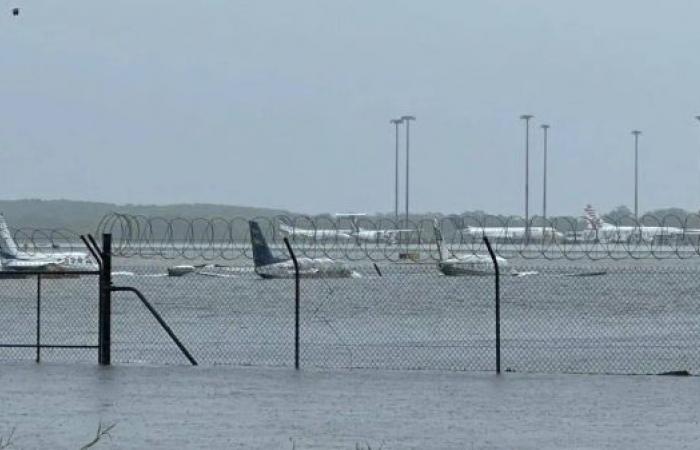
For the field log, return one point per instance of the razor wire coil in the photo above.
(386, 240)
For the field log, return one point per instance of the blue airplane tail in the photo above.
(262, 256)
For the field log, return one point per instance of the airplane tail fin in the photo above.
(262, 256)
(438, 241)
(8, 247)
(593, 221)
(354, 225)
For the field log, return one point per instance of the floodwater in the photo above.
(60, 406)
(566, 318)
(557, 318)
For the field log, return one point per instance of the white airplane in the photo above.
(13, 259)
(387, 236)
(313, 234)
(536, 233)
(597, 229)
(268, 266)
(469, 264)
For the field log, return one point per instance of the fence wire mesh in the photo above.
(606, 319)
(615, 320)
(553, 319)
(67, 319)
(401, 320)
(221, 316)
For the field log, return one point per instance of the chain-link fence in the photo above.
(553, 319)
(615, 320)
(48, 317)
(643, 319)
(221, 316)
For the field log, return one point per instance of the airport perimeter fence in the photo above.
(383, 239)
(49, 316)
(631, 320)
(618, 320)
(669, 237)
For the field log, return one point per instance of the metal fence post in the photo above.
(296, 303)
(497, 274)
(105, 306)
(38, 318)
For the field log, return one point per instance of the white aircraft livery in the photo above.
(469, 264)
(268, 266)
(314, 234)
(537, 233)
(598, 230)
(387, 236)
(13, 259)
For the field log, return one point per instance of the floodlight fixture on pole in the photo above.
(396, 123)
(407, 120)
(636, 134)
(526, 118)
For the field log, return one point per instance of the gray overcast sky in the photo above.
(287, 104)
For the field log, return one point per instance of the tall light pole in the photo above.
(396, 123)
(408, 120)
(636, 134)
(698, 118)
(526, 118)
(544, 127)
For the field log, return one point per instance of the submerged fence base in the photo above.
(48, 316)
(605, 319)
(639, 320)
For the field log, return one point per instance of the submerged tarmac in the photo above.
(60, 406)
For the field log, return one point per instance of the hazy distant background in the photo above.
(287, 104)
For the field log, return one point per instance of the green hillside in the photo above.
(83, 217)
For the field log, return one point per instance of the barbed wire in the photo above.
(47, 241)
(384, 239)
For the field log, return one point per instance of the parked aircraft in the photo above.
(15, 260)
(313, 234)
(535, 233)
(387, 236)
(469, 264)
(598, 230)
(268, 266)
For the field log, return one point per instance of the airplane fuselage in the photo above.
(621, 234)
(50, 262)
(308, 268)
(316, 235)
(514, 233)
(470, 265)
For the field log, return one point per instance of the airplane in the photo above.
(12, 259)
(470, 264)
(313, 234)
(388, 236)
(268, 266)
(536, 233)
(598, 230)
